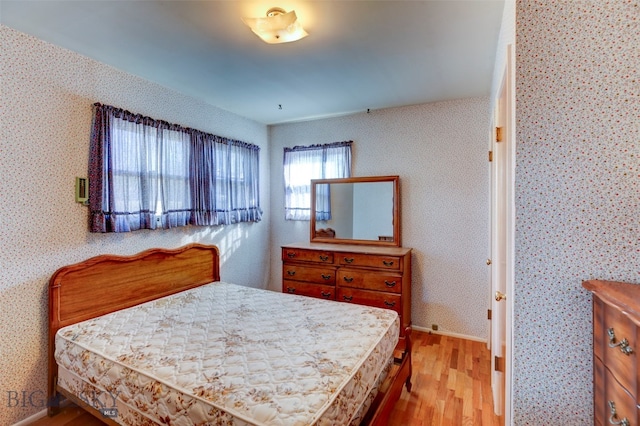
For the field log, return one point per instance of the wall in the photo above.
(45, 121)
(577, 192)
(506, 37)
(439, 151)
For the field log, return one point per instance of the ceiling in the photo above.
(359, 55)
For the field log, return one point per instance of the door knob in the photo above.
(500, 296)
(488, 261)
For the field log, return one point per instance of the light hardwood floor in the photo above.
(451, 384)
(451, 387)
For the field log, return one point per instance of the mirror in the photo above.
(360, 210)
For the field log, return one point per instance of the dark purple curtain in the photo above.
(146, 173)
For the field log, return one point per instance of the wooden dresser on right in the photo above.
(616, 343)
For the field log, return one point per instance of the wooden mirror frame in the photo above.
(322, 236)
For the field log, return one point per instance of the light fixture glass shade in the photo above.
(277, 26)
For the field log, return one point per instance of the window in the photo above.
(303, 163)
(147, 173)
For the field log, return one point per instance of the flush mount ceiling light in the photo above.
(277, 27)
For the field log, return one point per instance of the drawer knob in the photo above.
(324, 258)
(347, 298)
(623, 344)
(614, 416)
(349, 260)
(387, 262)
(326, 276)
(291, 273)
(325, 295)
(348, 279)
(389, 304)
(291, 290)
(390, 283)
(291, 254)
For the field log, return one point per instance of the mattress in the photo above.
(232, 355)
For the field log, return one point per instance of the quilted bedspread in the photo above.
(229, 354)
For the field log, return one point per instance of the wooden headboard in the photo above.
(108, 283)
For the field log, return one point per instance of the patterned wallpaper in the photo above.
(45, 120)
(439, 150)
(577, 192)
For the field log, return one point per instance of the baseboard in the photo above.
(32, 418)
(449, 333)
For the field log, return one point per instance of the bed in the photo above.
(157, 338)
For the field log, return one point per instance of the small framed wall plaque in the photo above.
(82, 190)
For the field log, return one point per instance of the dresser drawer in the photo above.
(612, 398)
(369, 261)
(318, 256)
(377, 299)
(309, 274)
(616, 344)
(319, 291)
(369, 280)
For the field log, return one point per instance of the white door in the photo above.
(502, 226)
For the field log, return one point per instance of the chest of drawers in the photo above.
(366, 275)
(616, 338)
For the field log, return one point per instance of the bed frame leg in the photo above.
(408, 353)
(53, 404)
(55, 398)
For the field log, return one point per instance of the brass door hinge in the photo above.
(498, 364)
(489, 314)
(498, 134)
(490, 156)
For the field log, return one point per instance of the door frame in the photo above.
(508, 198)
